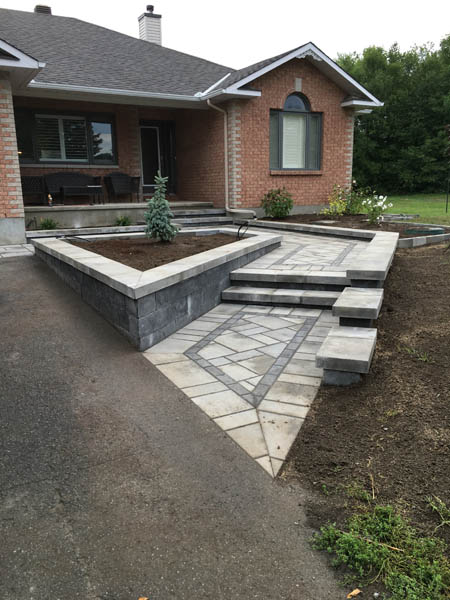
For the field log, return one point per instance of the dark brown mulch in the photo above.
(353, 222)
(395, 425)
(143, 253)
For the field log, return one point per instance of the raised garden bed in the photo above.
(147, 306)
(404, 229)
(143, 254)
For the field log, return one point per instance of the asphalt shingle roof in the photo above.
(83, 54)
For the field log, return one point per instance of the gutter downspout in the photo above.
(225, 151)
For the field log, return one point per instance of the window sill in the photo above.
(65, 166)
(294, 172)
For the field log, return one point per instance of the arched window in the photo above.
(295, 135)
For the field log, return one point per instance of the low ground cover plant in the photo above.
(379, 545)
(122, 221)
(48, 224)
(158, 215)
(277, 203)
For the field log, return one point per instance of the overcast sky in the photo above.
(237, 33)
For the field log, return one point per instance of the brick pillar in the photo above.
(12, 217)
(348, 150)
(234, 155)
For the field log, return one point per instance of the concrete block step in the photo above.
(347, 349)
(359, 303)
(290, 279)
(208, 212)
(274, 296)
(187, 222)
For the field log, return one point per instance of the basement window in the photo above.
(295, 135)
(73, 139)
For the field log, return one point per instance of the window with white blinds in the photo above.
(295, 135)
(294, 141)
(61, 138)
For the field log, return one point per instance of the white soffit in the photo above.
(18, 66)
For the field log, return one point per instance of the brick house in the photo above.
(75, 96)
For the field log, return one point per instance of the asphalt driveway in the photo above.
(113, 485)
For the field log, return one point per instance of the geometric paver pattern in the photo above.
(310, 252)
(252, 370)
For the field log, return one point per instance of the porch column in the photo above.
(12, 216)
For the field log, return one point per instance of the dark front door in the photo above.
(158, 153)
(151, 154)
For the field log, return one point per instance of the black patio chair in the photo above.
(67, 183)
(34, 185)
(118, 184)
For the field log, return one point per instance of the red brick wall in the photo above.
(200, 156)
(307, 188)
(199, 145)
(11, 204)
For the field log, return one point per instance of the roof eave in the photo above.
(309, 50)
(22, 68)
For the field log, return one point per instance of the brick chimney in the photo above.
(150, 26)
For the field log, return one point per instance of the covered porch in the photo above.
(97, 141)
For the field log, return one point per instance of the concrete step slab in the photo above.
(345, 350)
(295, 276)
(274, 296)
(359, 303)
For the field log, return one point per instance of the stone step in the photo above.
(207, 212)
(210, 221)
(359, 303)
(346, 353)
(295, 279)
(275, 297)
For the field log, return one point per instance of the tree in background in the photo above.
(401, 147)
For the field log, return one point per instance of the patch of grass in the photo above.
(380, 545)
(439, 506)
(48, 224)
(356, 490)
(422, 356)
(430, 207)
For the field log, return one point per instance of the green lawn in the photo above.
(430, 207)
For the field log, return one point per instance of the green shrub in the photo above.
(158, 213)
(122, 221)
(277, 203)
(380, 545)
(48, 224)
(346, 201)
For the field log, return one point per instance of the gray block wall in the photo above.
(148, 320)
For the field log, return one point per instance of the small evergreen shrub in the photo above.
(158, 214)
(48, 224)
(277, 203)
(122, 221)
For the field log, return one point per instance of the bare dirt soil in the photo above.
(143, 253)
(353, 222)
(389, 435)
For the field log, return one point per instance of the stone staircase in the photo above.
(347, 351)
(201, 217)
(319, 289)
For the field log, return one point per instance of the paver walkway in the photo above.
(252, 368)
(16, 250)
(309, 253)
